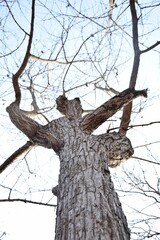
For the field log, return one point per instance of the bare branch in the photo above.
(32, 129)
(34, 102)
(15, 19)
(107, 89)
(7, 54)
(133, 126)
(25, 60)
(36, 132)
(128, 108)
(55, 61)
(151, 6)
(28, 201)
(146, 144)
(146, 160)
(143, 125)
(63, 80)
(151, 47)
(134, 27)
(93, 120)
(83, 84)
(28, 145)
(3, 234)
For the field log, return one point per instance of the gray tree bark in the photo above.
(88, 208)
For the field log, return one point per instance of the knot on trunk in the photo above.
(119, 148)
(55, 191)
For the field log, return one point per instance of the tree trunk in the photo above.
(87, 205)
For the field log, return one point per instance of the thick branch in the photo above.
(15, 155)
(93, 120)
(134, 27)
(37, 133)
(125, 120)
(25, 60)
(128, 108)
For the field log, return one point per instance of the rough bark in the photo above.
(87, 205)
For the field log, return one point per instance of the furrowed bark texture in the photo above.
(87, 205)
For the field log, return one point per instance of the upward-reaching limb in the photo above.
(33, 130)
(137, 53)
(93, 120)
(14, 107)
(37, 133)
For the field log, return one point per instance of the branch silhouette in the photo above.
(27, 201)
(17, 91)
(133, 126)
(25, 60)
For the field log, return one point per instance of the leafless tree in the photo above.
(77, 50)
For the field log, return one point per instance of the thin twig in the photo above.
(12, 15)
(106, 89)
(27, 201)
(146, 160)
(133, 126)
(7, 54)
(63, 80)
(143, 125)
